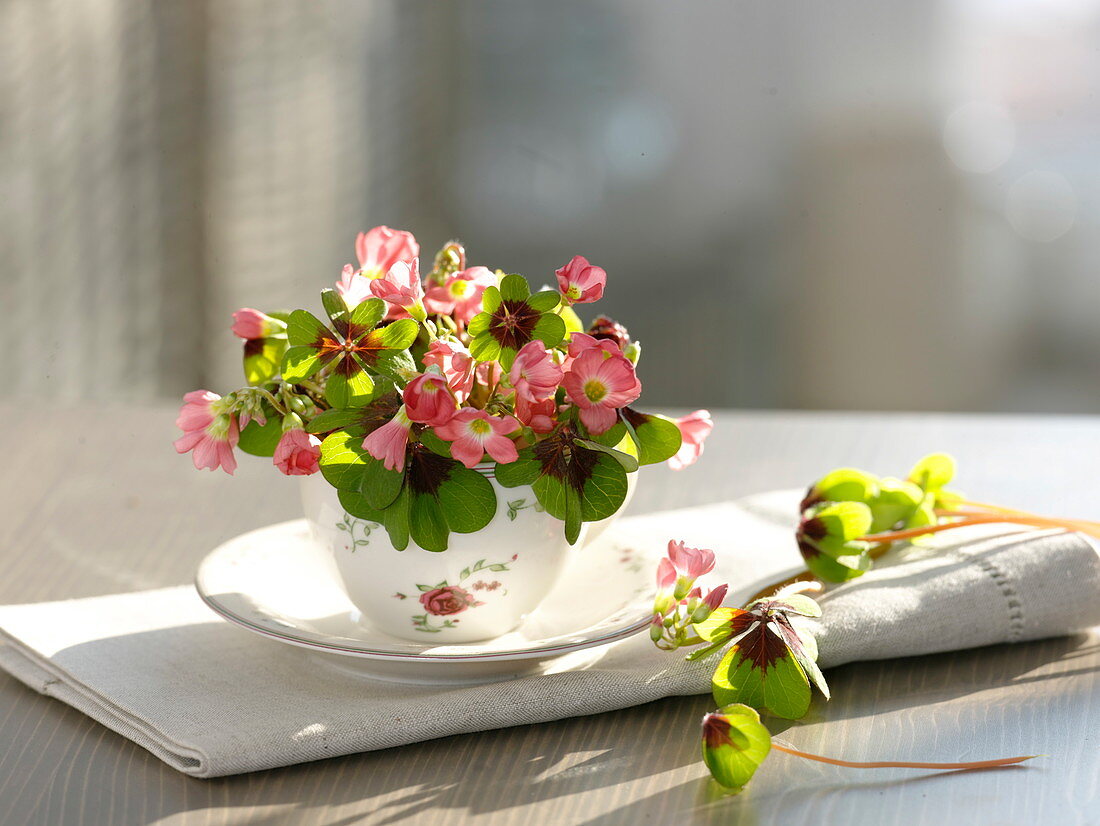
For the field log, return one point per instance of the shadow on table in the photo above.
(494, 771)
(876, 687)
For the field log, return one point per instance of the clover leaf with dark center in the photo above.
(735, 743)
(432, 497)
(771, 661)
(829, 538)
(352, 351)
(576, 480)
(513, 317)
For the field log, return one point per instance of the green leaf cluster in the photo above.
(866, 504)
(575, 480)
(829, 540)
(431, 497)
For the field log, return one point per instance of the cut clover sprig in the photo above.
(850, 517)
(769, 664)
(736, 742)
(769, 660)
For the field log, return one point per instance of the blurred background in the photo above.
(860, 204)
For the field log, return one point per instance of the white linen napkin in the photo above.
(212, 699)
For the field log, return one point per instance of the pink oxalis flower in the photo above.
(210, 430)
(377, 250)
(473, 433)
(354, 288)
(539, 416)
(694, 429)
(460, 296)
(387, 444)
(534, 374)
(666, 574)
(380, 248)
(297, 453)
(690, 563)
(400, 286)
(251, 324)
(599, 384)
(456, 364)
(428, 399)
(581, 282)
(582, 342)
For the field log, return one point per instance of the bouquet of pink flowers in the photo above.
(415, 388)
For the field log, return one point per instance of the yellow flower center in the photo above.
(459, 288)
(573, 293)
(480, 427)
(595, 390)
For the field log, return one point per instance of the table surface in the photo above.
(95, 501)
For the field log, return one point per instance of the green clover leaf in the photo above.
(513, 317)
(354, 351)
(735, 743)
(575, 480)
(846, 484)
(773, 658)
(427, 501)
(829, 538)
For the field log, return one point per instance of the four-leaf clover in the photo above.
(357, 348)
(513, 317)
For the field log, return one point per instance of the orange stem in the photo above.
(904, 764)
(983, 506)
(1091, 528)
(1033, 521)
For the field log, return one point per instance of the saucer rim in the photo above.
(525, 653)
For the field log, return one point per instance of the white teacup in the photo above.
(482, 586)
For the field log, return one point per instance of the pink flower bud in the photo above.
(428, 399)
(297, 453)
(252, 324)
(656, 628)
(714, 598)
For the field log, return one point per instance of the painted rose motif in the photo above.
(450, 599)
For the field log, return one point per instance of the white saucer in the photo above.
(276, 581)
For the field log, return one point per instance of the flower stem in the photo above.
(1091, 528)
(274, 402)
(968, 520)
(982, 508)
(904, 764)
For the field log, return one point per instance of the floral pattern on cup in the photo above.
(444, 600)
